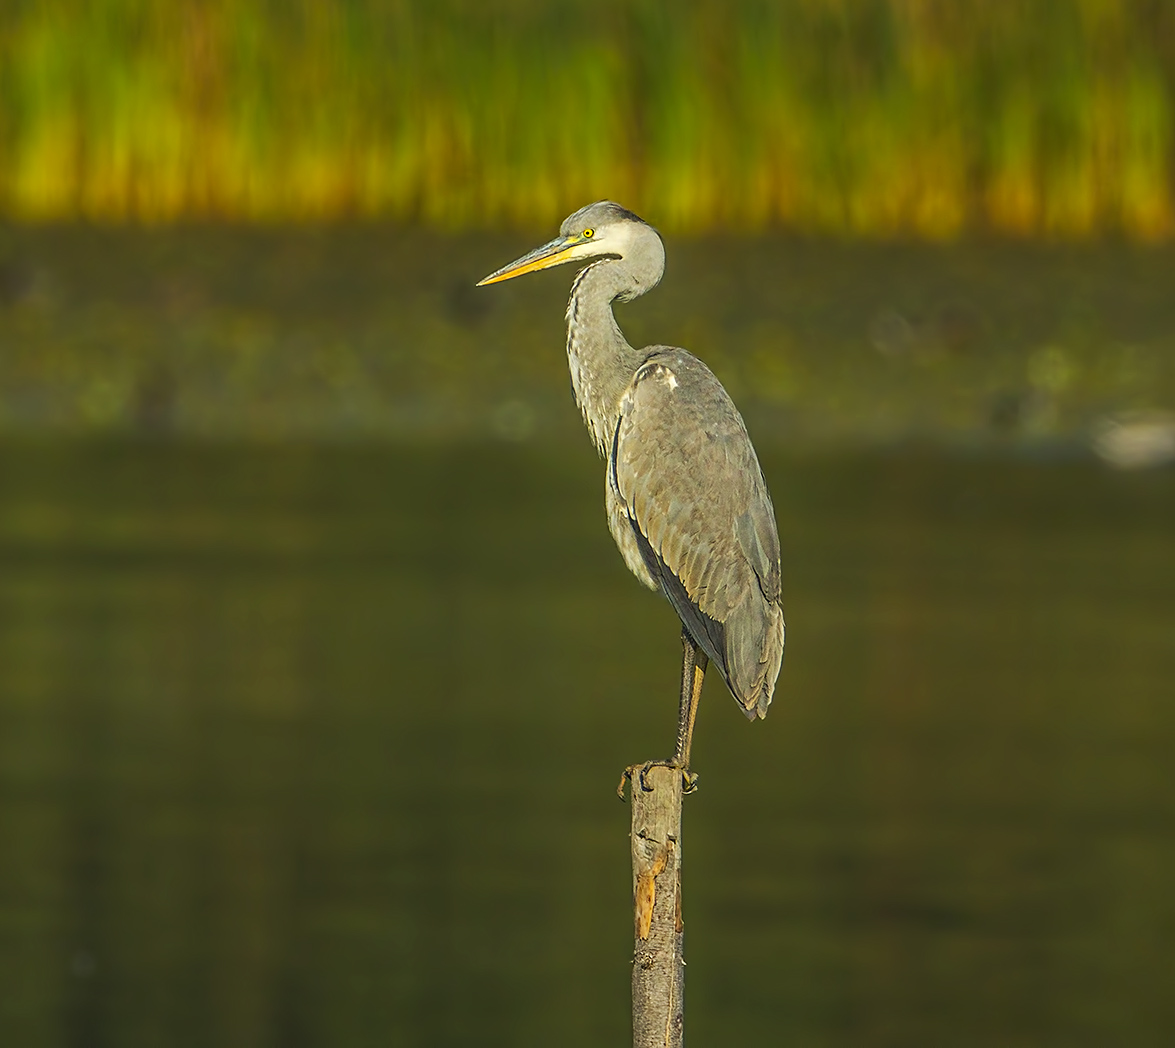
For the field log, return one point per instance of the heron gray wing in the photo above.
(685, 471)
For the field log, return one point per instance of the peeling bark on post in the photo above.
(658, 967)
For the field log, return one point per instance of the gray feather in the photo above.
(684, 468)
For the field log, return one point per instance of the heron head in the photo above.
(602, 229)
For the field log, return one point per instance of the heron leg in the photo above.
(693, 671)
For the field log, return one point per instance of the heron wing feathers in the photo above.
(686, 476)
(626, 540)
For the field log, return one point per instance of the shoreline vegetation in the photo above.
(377, 332)
(880, 119)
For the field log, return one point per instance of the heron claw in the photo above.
(635, 773)
(626, 776)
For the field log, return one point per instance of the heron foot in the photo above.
(635, 773)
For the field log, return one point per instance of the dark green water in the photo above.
(316, 747)
(378, 333)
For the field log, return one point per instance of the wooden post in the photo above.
(658, 967)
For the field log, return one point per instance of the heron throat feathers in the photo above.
(600, 360)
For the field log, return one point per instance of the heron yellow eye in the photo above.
(588, 234)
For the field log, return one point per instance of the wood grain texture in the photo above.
(658, 966)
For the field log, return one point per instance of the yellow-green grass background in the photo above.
(875, 117)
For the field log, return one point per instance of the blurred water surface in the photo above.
(377, 332)
(315, 745)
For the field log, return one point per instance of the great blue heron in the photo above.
(686, 500)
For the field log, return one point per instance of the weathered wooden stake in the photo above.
(658, 967)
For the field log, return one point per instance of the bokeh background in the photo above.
(317, 665)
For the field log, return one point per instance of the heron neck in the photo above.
(601, 361)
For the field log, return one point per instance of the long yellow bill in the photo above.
(554, 253)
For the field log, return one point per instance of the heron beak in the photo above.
(554, 253)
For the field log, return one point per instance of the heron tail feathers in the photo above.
(753, 671)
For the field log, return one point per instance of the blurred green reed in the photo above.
(876, 117)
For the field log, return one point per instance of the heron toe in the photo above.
(636, 773)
